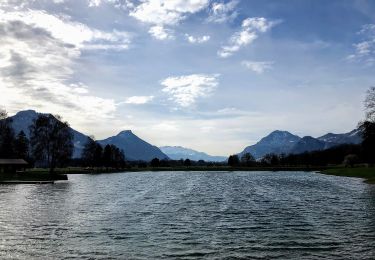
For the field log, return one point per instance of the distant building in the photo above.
(12, 165)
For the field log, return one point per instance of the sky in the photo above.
(212, 75)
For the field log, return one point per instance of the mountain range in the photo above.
(179, 152)
(134, 147)
(278, 142)
(283, 142)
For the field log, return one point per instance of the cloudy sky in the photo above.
(212, 75)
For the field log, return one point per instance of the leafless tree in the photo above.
(370, 104)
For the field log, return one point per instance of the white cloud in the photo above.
(160, 33)
(364, 51)
(223, 12)
(138, 100)
(36, 66)
(185, 90)
(62, 28)
(161, 13)
(258, 66)
(94, 3)
(198, 39)
(251, 28)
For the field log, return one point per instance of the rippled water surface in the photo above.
(196, 215)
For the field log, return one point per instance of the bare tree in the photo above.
(51, 141)
(370, 104)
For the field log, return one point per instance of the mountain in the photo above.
(23, 119)
(134, 147)
(178, 152)
(353, 137)
(279, 142)
(308, 144)
(276, 142)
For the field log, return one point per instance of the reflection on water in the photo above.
(215, 215)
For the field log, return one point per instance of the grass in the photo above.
(367, 173)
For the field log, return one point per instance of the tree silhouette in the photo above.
(89, 151)
(21, 146)
(187, 162)
(233, 160)
(370, 105)
(6, 136)
(155, 162)
(51, 141)
(248, 160)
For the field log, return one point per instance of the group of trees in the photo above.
(12, 146)
(50, 141)
(94, 155)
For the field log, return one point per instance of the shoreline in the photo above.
(43, 176)
(366, 173)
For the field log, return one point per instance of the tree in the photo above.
(368, 143)
(107, 156)
(187, 162)
(89, 152)
(370, 104)
(368, 127)
(270, 159)
(233, 160)
(248, 159)
(350, 160)
(155, 162)
(98, 155)
(21, 146)
(51, 141)
(6, 136)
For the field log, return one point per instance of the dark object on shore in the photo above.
(12, 165)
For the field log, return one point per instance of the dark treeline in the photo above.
(12, 146)
(176, 163)
(94, 155)
(347, 154)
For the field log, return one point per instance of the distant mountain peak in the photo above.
(134, 147)
(125, 133)
(179, 152)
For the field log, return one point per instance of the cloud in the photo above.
(364, 51)
(122, 4)
(163, 13)
(62, 28)
(223, 12)
(36, 68)
(185, 90)
(138, 100)
(198, 39)
(251, 28)
(258, 66)
(160, 33)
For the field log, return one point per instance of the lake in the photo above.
(190, 215)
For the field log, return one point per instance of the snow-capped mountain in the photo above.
(179, 152)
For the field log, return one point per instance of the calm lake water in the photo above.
(190, 215)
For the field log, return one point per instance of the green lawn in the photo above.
(367, 173)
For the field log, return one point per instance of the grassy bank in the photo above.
(367, 173)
